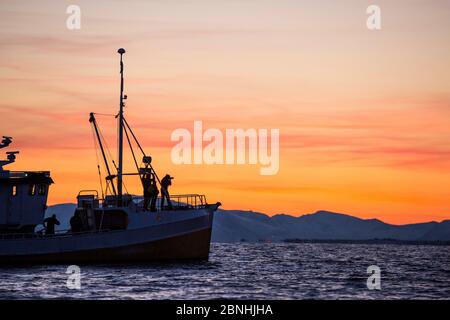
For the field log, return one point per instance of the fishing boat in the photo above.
(112, 226)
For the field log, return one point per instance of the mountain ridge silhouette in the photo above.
(252, 226)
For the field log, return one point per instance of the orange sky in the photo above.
(364, 116)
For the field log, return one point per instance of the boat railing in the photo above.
(41, 235)
(178, 201)
(188, 201)
(89, 198)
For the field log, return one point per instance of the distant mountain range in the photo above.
(236, 226)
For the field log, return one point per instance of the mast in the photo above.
(121, 51)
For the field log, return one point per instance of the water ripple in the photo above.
(252, 271)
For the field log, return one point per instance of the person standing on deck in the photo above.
(76, 224)
(165, 183)
(146, 185)
(49, 224)
(153, 190)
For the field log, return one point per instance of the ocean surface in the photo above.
(252, 271)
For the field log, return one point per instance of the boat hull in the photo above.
(192, 246)
(177, 241)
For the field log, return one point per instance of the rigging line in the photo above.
(100, 180)
(104, 114)
(95, 144)
(98, 161)
(108, 154)
(123, 183)
(100, 174)
(125, 187)
(131, 148)
(107, 187)
(106, 147)
(142, 150)
(99, 140)
(134, 137)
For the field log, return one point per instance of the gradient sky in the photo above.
(364, 116)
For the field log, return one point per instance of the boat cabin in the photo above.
(23, 198)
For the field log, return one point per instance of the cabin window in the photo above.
(32, 189)
(41, 190)
(14, 191)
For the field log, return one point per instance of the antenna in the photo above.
(6, 141)
(10, 155)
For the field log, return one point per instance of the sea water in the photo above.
(252, 271)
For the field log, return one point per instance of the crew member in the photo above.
(153, 190)
(146, 184)
(50, 223)
(76, 225)
(165, 183)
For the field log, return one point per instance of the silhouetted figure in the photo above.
(153, 190)
(165, 183)
(50, 223)
(76, 225)
(146, 185)
(150, 191)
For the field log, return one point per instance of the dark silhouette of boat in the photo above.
(113, 227)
